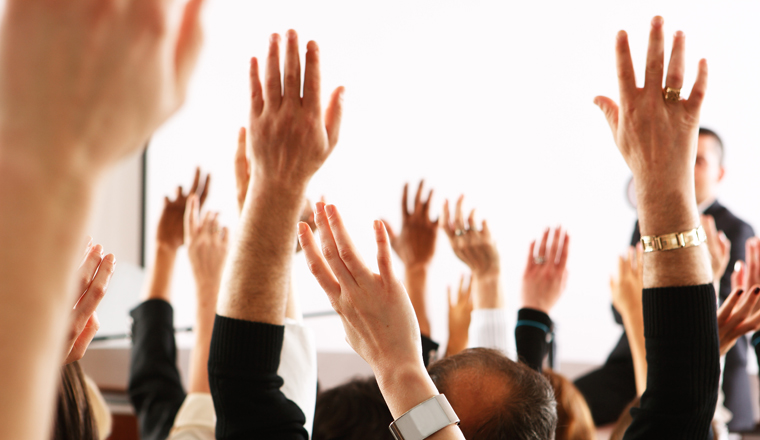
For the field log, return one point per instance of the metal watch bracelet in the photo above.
(676, 240)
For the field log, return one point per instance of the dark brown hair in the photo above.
(527, 412)
(74, 418)
(574, 421)
(354, 410)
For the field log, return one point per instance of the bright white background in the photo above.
(490, 99)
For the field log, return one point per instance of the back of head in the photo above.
(74, 418)
(574, 421)
(495, 397)
(354, 410)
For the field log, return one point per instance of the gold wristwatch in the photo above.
(676, 240)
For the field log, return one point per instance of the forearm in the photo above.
(406, 387)
(487, 292)
(634, 329)
(204, 327)
(415, 280)
(159, 280)
(255, 282)
(41, 231)
(667, 213)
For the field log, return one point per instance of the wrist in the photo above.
(165, 250)
(486, 292)
(664, 212)
(405, 386)
(287, 191)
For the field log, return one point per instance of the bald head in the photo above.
(495, 397)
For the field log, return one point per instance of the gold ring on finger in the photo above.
(671, 94)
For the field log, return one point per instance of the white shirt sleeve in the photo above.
(196, 419)
(298, 368)
(489, 328)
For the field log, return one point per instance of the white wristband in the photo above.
(424, 420)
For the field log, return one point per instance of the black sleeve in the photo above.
(155, 387)
(242, 369)
(533, 336)
(429, 349)
(681, 331)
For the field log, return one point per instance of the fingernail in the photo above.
(320, 208)
(291, 34)
(99, 249)
(330, 209)
(657, 21)
(739, 293)
(274, 38)
(678, 34)
(756, 291)
(737, 266)
(301, 228)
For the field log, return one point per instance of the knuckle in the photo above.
(313, 268)
(328, 252)
(345, 254)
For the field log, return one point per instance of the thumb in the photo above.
(333, 116)
(391, 234)
(610, 110)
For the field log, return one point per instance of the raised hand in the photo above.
(207, 245)
(545, 275)
(93, 277)
(738, 316)
(719, 247)
(124, 86)
(627, 299)
(474, 247)
(170, 232)
(415, 243)
(460, 314)
(290, 137)
(375, 310)
(656, 132)
(627, 287)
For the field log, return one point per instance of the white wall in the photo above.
(490, 99)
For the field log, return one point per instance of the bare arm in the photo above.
(52, 156)
(415, 246)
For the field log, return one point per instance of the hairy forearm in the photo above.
(256, 279)
(487, 291)
(663, 214)
(159, 280)
(415, 281)
(42, 229)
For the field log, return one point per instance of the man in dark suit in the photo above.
(609, 389)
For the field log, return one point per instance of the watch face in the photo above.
(631, 193)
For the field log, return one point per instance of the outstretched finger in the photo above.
(257, 93)
(91, 299)
(346, 250)
(655, 57)
(610, 110)
(676, 65)
(542, 246)
(334, 115)
(698, 91)
(242, 168)
(292, 89)
(330, 248)
(418, 198)
(316, 262)
(84, 338)
(531, 254)
(384, 262)
(88, 267)
(192, 214)
(312, 80)
(458, 215)
(388, 228)
(737, 277)
(273, 87)
(446, 220)
(565, 252)
(552, 257)
(405, 202)
(196, 181)
(206, 186)
(728, 305)
(426, 205)
(625, 72)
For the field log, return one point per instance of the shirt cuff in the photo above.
(489, 328)
(197, 411)
(298, 368)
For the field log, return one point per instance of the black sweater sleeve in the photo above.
(155, 388)
(681, 331)
(242, 369)
(533, 335)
